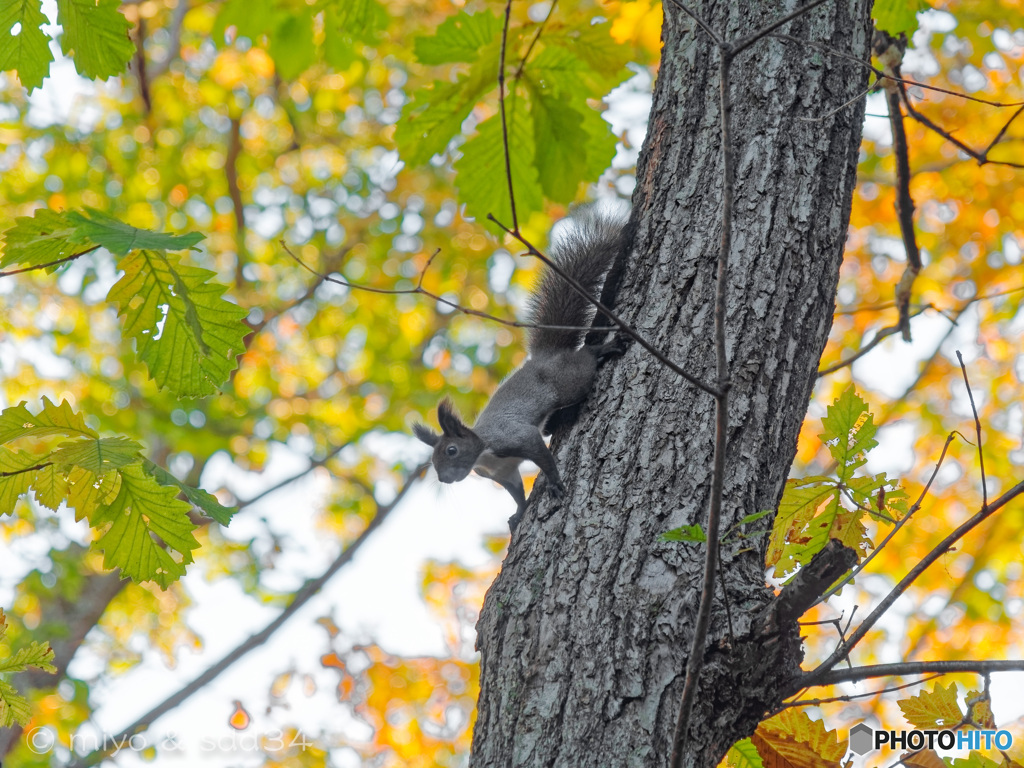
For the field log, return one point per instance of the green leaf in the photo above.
(558, 133)
(849, 432)
(120, 238)
(291, 45)
(807, 511)
(460, 38)
(207, 502)
(436, 115)
(97, 456)
(38, 655)
(603, 58)
(15, 481)
(184, 331)
(481, 178)
(743, 754)
(95, 36)
(691, 533)
(13, 707)
(897, 16)
(17, 422)
(41, 238)
(86, 492)
(48, 236)
(753, 517)
(50, 486)
(28, 52)
(143, 509)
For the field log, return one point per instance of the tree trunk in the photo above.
(584, 635)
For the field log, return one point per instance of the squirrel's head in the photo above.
(456, 449)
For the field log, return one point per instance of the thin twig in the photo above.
(878, 339)
(235, 191)
(533, 42)
(300, 598)
(904, 668)
(852, 696)
(504, 120)
(737, 46)
(420, 290)
(48, 264)
(904, 214)
(977, 428)
(698, 21)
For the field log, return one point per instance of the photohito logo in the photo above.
(864, 739)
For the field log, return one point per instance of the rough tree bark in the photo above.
(584, 634)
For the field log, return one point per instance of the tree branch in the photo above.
(901, 669)
(977, 427)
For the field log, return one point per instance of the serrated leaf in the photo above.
(184, 331)
(291, 44)
(605, 59)
(849, 432)
(935, 709)
(460, 38)
(691, 533)
(120, 238)
(480, 172)
(207, 502)
(38, 239)
(791, 535)
(897, 16)
(28, 52)
(14, 480)
(435, 116)
(17, 422)
(803, 743)
(38, 655)
(743, 754)
(558, 134)
(95, 36)
(97, 456)
(143, 509)
(50, 486)
(49, 236)
(13, 707)
(86, 492)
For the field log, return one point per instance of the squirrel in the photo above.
(558, 372)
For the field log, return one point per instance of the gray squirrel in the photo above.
(557, 373)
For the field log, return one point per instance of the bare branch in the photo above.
(977, 428)
(852, 696)
(698, 21)
(231, 173)
(48, 264)
(904, 668)
(504, 119)
(878, 339)
(743, 43)
(533, 42)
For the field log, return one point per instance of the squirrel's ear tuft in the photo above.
(426, 434)
(448, 418)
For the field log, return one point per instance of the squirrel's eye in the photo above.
(451, 450)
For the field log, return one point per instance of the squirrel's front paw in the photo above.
(557, 490)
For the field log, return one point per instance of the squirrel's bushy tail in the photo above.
(585, 250)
